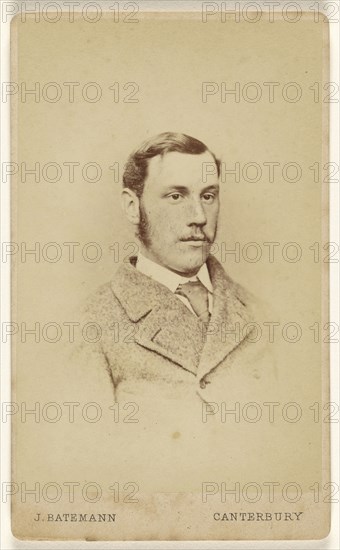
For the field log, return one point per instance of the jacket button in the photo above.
(203, 384)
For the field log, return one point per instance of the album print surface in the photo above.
(170, 254)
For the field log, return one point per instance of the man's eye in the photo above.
(208, 197)
(175, 197)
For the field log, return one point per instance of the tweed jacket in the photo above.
(149, 346)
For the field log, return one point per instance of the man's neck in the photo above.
(168, 277)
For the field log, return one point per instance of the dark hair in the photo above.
(136, 168)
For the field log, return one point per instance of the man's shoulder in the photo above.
(256, 306)
(258, 309)
(100, 302)
(128, 290)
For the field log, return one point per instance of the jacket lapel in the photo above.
(167, 327)
(164, 323)
(226, 329)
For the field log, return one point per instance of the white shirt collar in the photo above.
(168, 278)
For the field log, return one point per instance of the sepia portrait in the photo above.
(170, 254)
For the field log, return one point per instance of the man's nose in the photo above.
(197, 214)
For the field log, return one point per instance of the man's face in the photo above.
(179, 211)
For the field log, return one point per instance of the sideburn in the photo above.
(143, 229)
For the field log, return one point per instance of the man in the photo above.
(173, 324)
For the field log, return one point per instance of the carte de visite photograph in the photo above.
(170, 258)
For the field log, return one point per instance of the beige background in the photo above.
(169, 57)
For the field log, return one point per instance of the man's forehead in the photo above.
(182, 167)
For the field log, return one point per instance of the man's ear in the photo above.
(130, 205)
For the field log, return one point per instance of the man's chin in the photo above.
(192, 263)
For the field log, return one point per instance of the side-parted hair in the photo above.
(136, 168)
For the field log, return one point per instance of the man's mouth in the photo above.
(197, 239)
(196, 242)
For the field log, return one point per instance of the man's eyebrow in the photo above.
(181, 188)
(213, 187)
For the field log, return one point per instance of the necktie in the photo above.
(197, 295)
